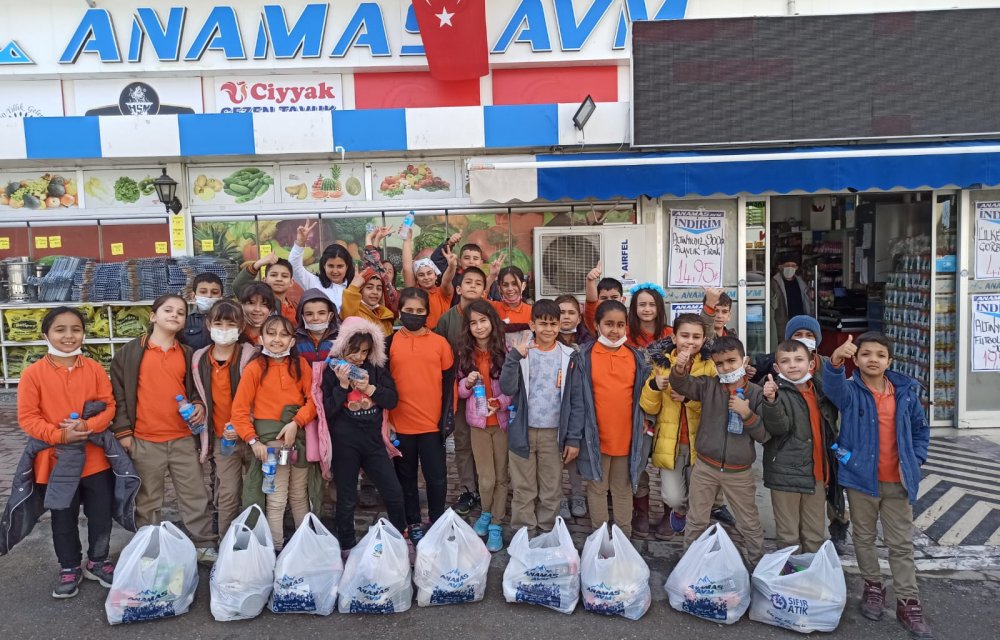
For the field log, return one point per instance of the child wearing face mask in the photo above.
(217, 371)
(258, 303)
(318, 325)
(147, 374)
(425, 274)
(272, 406)
(363, 299)
(206, 289)
(798, 463)
(606, 380)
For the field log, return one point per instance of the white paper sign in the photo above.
(279, 93)
(677, 308)
(987, 240)
(696, 248)
(31, 99)
(986, 333)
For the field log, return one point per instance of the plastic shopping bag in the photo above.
(156, 576)
(710, 581)
(377, 577)
(803, 592)
(544, 570)
(452, 562)
(243, 575)
(614, 576)
(308, 571)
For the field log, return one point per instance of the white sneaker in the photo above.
(207, 555)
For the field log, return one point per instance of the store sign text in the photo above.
(366, 28)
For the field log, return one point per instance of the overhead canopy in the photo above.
(755, 172)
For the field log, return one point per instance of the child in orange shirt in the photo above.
(276, 389)
(514, 312)
(147, 374)
(598, 290)
(425, 274)
(647, 316)
(50, 390)
(605, 417)
(258, 303)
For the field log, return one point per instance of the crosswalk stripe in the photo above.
(949, 471)
(955, 449)
(963, 461)
(995, 538)
(927, 484)
(940, 506)
(961, 529)
(972, 492)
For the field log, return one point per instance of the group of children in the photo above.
(526, 389)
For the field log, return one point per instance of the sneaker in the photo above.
(564, 511)
(678, 522)
(103, 572)
(494, 541)
(722, 515)
(415, 533)
(873, 600)
(578, 506)
(207, 555)
(466, 502)
(68, 583)
(482, 525)
(910, 615)
(367, 497)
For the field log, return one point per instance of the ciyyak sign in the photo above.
(226, 35)
(278, 93)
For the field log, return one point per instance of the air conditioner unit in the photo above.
(564, 256)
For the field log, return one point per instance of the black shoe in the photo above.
(367, 497)
(466, 502)
(838, 535)
(415, 533)
(722, 515)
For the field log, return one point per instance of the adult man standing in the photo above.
(789, 298)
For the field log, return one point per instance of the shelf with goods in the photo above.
(907, 318)
(109, 324)
(945, 345)
(827, 256)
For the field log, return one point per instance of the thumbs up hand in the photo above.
(844, 351)
(770, 389)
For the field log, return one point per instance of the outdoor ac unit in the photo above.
(564, 256)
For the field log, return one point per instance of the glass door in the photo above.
(754, 281)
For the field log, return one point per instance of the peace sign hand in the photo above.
(304, 231)
(497, 264)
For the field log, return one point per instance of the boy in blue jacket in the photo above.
(884, 429)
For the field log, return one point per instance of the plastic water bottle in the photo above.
(479, 397)
(407, 229)
(511, 412)
(392, 438)
(842, 455)
(270, 469)
(186, 409)
(370, 227)
(735, 424)
(228, 441)
(354, 373)
(74, 416)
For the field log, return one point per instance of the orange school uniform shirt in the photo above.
(266, 396)
(48, 393)
(521, 314)
(644, 339)
(288, 310)
(818, 457)
(416, 362)
(439, 304)
(612, 376)
(590, 316)
(888, 448)
(161, 380)
(222, 393)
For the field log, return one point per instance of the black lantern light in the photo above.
(166, 191)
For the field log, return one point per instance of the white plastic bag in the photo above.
(614, 577)
(377, 577)
(452, 562)
(308, 571)
(710, 581)
(156, 576)
(544, 570)
(809, 598)
(244, 573)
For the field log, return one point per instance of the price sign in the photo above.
(697, 245)
(55, 242)
(4, 243)
(117, 248)
(41, 242)
(208, 245)
(161, 247)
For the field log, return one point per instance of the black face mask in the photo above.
(413, 321)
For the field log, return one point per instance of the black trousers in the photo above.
(356, 448)
(97, 494)
(427, 450)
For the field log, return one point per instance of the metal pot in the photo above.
(18, 272)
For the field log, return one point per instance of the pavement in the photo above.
(956, 550)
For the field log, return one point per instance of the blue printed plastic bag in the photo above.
(377, 577)
(308, 571)
(452, 563)
(544, 570)
(710, 580)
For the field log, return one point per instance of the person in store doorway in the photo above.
(789, 298)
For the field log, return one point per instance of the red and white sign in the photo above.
(454, 36)
(279, 93)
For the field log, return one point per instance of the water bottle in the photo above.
(407, 228)
(186, 409)
(842, 455)
(229, 441)
(370, 227)
(355, 372)
(270, 469)
(74, 416)
(735, 424)
(511, 412)
(479, 397)
(392, 438)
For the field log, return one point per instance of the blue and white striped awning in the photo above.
(757, 171)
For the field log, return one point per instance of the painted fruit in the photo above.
(353, 186)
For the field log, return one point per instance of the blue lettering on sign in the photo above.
(633, 10)
(573, 36)
(527, 25)
(221, 32)
(12, 53)
(368, 16)
(95, 34)
(411, 27)
(305, 36)
(165, 40)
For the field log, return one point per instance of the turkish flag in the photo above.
(454, 36)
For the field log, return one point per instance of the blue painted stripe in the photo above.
(370, 130)
(69, 137)
(529, 125)
(216, 134)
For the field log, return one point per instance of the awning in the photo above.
(757, 172)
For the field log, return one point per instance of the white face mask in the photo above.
(224, 337)
(271, 354)
(204, 304)
(788, 272)
(804, 379)
(612, 345)
(316, 326)
(809, 342)
(733, 376)
(63, 354)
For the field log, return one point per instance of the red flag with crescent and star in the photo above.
(454, 36)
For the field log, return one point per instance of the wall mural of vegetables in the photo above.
(48, 191)
(232, 185)
(120, 188)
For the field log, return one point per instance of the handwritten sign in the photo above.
(41, 242)
(208, 244)
(160, 247)
(55, 242)
(4, 243)
(987, 240)
(117, 248)
(986, 333)
(696, 248)
(677, 308)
